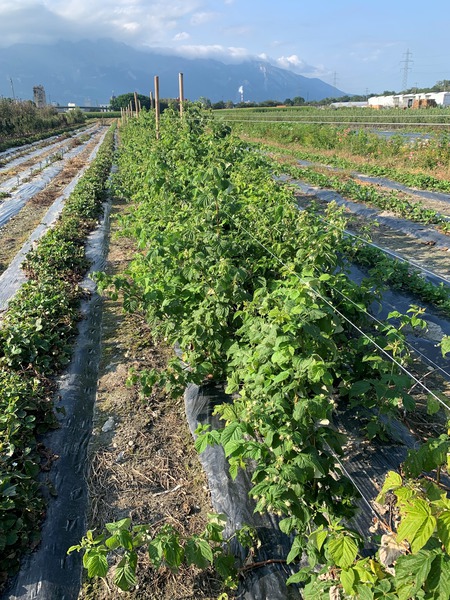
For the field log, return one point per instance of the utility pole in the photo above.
(406, 62)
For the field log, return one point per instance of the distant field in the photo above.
(433, 117)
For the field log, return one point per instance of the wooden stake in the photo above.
(151, 100)
(181, 92)
(136, 108)
(157, 106)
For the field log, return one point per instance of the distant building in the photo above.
(349, 104)
(39, 96)
(420, 100)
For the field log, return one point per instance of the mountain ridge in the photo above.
(90, 72)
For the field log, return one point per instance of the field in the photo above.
(247, 274)
(416, 119)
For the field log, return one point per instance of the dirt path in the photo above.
(144, 465)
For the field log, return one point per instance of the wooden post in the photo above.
(136, 108)
(151, 100)
(157, 106)
(181, 92)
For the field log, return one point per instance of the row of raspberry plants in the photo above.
(423, 181)
(400, 275)
(393, 201)
(36, 333)
(255, 296)
(403, 156)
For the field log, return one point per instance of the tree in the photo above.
(205, 102)
(124, 100)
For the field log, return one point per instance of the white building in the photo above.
(349, 104)
(408, 100)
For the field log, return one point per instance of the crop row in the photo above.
(321, 115)
(423, 181)
(255, 294)
(431, 155)
(392, 201)
(36, 332)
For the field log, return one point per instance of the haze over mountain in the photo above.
(90, 72)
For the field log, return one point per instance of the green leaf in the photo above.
(348, 579)
(392, 482)
(317, 590)
(417, 525)
(232, 432)
(343, 550)
(295, 551)
(125, 575)
(318, 537)
(173, 553)
(443, 529)
(445, 345)
(282, 376)
(433, 406)
(118, 525)
(300, 576)
(224, 565)
(233, 469)
(198, 552)
(155, 552)
(95, 562)
(201, 443)
(412, 571)
(438, 582)
(112, 542)
(359, 388)
(363, 592)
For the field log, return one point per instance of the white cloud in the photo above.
(297, 65)
(135, 22)
(180, 37)
(225, 54)
(201, 18)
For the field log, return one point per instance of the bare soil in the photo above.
(146, 467)
(18, 229)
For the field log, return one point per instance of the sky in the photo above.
(360, 47)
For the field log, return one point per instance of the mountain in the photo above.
(89, 72)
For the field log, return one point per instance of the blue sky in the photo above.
(359, 46)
